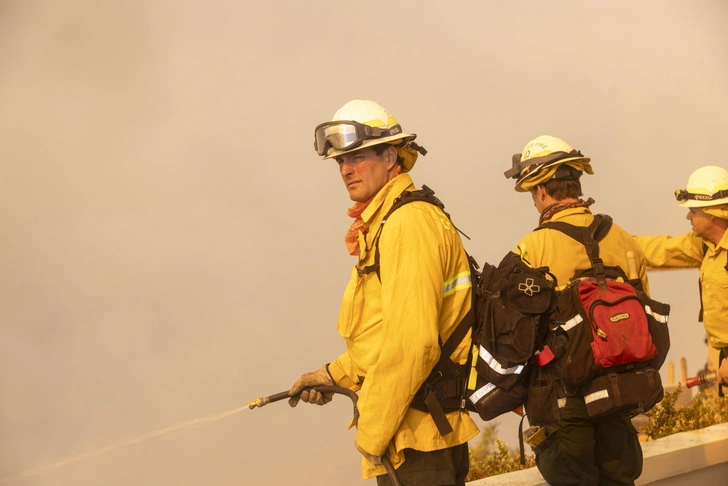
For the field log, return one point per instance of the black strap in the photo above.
(589, 236)
(614, 386)
(459, 333)
(425, 194)
(700, 286)
(438, 415)
(721, 356)
(520, 441)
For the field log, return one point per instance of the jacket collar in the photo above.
(722, 244)
(569, 212)
(386, 196)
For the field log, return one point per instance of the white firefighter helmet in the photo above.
(529, 168)
(359, 124)
(707, 186)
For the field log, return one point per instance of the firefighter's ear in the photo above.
(391, 154)
(540, 192)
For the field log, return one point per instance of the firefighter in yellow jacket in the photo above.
(705, 247)
(394, 318)
(578, 449)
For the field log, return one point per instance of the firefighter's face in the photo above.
(364, 172)
(701, 222)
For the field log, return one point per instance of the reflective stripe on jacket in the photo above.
(687, 251)
(564, 255)
(392, 328)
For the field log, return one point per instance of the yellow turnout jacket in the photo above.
(392, 328)
(691, 251)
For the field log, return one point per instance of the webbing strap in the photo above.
(722, 356)
(520, 441)
(700, 287)
(589, 236)
(459, 333)
(614, 382)
(425, 194)
(438, 415)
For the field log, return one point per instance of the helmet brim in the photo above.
(519, 188)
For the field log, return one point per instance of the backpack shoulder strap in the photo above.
(589, 236)
(468, 320)
(425, 194)
(597, 230)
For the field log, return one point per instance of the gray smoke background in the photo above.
(171, 246)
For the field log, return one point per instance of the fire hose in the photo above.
(261, 402)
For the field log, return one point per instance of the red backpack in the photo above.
(618, 336)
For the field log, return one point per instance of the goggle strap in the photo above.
(419, 148)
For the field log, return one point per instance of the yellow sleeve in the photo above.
(343, 373)
(666, 251)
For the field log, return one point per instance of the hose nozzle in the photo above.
(701, 379)
(258, 402)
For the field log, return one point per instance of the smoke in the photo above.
(172, 248)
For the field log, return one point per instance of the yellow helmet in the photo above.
(540, 160)
(362, 123)
(707, 186)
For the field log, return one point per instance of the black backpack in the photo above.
(509, 319)
(617, 336)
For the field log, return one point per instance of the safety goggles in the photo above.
(346, 135)
(683, 195)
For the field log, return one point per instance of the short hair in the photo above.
(564, 183)
(563, 189)
(381, 147)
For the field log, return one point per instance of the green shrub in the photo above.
(498, 461)
(706, 409)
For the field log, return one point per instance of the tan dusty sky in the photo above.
(172, 248)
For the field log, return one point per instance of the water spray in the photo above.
(44, 468)
(257, 403)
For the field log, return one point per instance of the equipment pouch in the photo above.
(577, 359)
(618, 321)
(634, 392)
(546, 397)
(490, 401)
